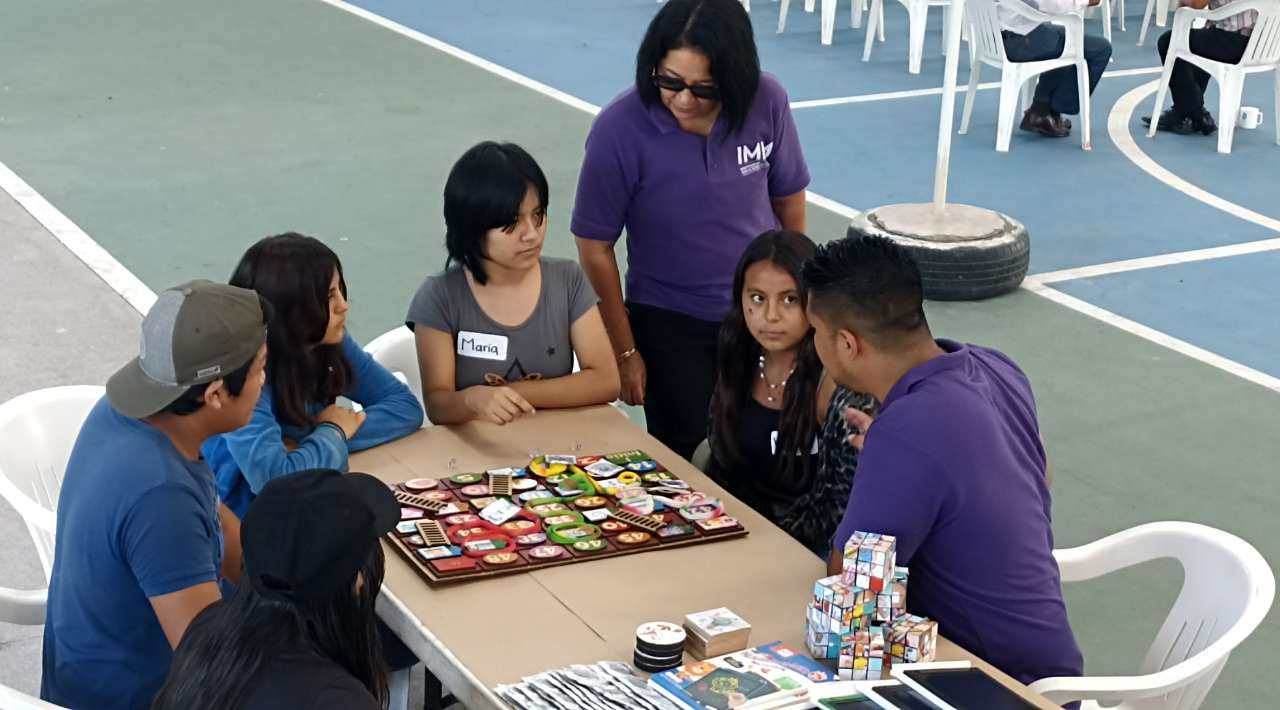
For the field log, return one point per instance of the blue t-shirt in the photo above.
(246, 459)
(954, 467)
(136, 519)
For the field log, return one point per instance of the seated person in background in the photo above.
(771, 397)
(1225, 41)
(497, 330)
(953, 464)
(1057, 92)
(300, 632)
(297, 424)
(141, 539)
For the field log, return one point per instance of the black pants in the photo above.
(679, 354)
(1188, 82)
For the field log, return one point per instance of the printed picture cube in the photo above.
(845, 606)
(913, 639)
(869, 561)
(821, 642)
(862, 655)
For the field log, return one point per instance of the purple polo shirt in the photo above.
(689, 204)
(954, 467)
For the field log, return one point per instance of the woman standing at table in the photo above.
(693, 161)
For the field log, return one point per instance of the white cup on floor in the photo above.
(1250, 117)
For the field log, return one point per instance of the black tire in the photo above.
(964, 271)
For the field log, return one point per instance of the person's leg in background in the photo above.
(679, 354)
(1044, 42)
(1187, 82)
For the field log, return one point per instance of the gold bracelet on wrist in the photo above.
(626, 354)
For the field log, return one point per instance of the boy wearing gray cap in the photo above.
(139, 548)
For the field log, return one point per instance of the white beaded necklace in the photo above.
(773, 387)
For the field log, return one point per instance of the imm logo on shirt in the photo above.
(752, 158)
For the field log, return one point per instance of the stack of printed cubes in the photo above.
(857, 616)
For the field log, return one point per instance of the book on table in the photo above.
(765, 677)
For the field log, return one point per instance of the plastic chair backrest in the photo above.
(397, 351)
(37, 431)
(985, 37)
(1227, 589)
(1264, 43)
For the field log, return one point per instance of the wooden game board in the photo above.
(609, 519)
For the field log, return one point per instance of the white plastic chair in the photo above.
(11, 699)
(397, 351)
(1109, 9)
(918, 18)
(856, 8)
(1159, 8)
(746, 4)
(986, 46)
(1226, 592)
(25, 608)
(37, 432)
(1261, 54)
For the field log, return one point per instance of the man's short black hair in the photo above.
(193, 399)
(719, 29)
(484, 191)
(868, 285)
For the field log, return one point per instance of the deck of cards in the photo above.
(715, 632)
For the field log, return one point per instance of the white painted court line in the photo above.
(120, 279)
(937, 91)
(1151, 262)
(1118, 128)
(1180, 346)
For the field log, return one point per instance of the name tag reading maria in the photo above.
(482, 345)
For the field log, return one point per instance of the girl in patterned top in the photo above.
(776, 425)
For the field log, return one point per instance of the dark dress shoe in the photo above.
(1174, 122)
(1207, 125)
(1044, 124)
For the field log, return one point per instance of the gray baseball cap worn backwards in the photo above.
(194, 334)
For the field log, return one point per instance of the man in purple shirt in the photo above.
(694, 161)
(953, 465)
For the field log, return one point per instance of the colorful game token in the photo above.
(634, 538)
(466, 479)
(560, 519)
(475, 490)
(415, 540)
(407, 513)
(437, 495)
(439, 553)
(603, 469)
(523, 484)
(591, 501)
(642, 466)
(623, 458)
(501, 558)
(585, 461)
(546, 552)
(590, 545)
(535, 495)
(468, 532)
(722, 523)
(614, 526)
(486, 545)
(406, 527)
(418, 485)
(520, 527)
(453, 565)
(596, 515)
(500, 511)
(675, 530)
(482, 503)
(660, 637)
(656, 477)
(555, 478)
(531, 539)
(461, 519)
(561, 459)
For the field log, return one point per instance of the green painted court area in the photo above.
(177, 133)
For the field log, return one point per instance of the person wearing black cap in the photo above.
(141, 544)
(300, 631)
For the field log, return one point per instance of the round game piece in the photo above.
(660, 639)
(478, 489)
(466, 479)
(634, 538)
(520, 526)
(591, 502)
(642, 466)
(500, 558)
(664, 662)
(437, 495)
(523, 484)
(468, 532)
(590, 546)
(418, 485)
(530, 539)
(555, 478)
(461, 519)
(528, 496)
(546, 552)
(560, 519)
(415, 540)
(407, 513)
(614, 526)
(642, 666)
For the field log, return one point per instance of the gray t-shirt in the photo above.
(487, 352)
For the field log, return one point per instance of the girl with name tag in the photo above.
(311, 361)
(776, 427)
(498, 330)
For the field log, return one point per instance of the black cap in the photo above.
(307, 534)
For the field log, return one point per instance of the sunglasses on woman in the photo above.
(703, 91)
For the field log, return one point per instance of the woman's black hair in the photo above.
(483, 192)
(739, 356)
(719, 29)
(229, 643)
(294, 272)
